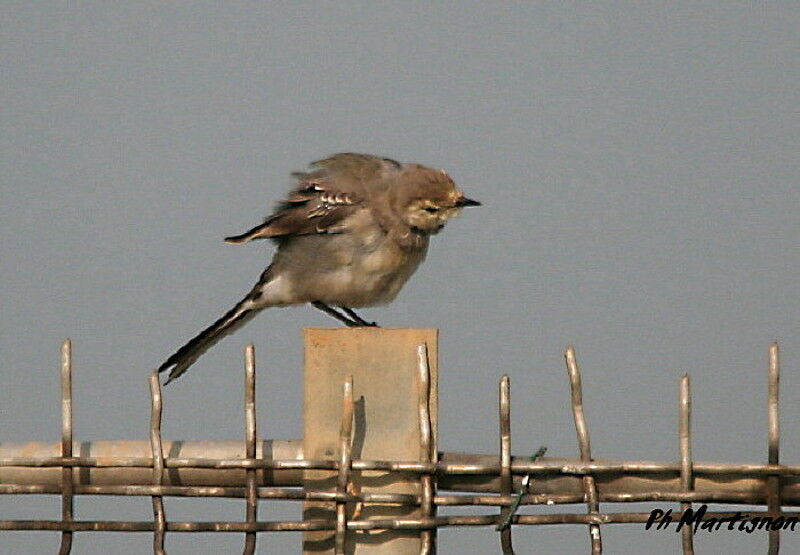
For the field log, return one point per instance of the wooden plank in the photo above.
(385, 370)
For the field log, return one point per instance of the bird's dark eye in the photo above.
(431, 209)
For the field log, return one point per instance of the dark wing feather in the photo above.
(323, 198)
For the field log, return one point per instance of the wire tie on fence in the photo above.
(523, 490)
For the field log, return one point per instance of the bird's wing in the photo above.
(323, 198)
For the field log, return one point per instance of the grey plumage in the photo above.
(349, 234)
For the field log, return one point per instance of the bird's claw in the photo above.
(362, 324)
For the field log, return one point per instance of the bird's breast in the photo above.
(379, 273)
(362, 266)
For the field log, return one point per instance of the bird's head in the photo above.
(426, 198)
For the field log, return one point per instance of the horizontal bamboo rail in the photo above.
(220, 473)
(388, 524)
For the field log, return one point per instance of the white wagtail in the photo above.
(349, 235)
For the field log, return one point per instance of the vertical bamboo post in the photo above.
(67, 499)
(505, 460)
(345, 459)
(773, 482)
(251, 437)
(156, 447)
(426, 454)
(584, 445)
(685, 441)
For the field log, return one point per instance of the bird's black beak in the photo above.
(464, 201)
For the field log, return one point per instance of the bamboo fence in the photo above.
(271, 470)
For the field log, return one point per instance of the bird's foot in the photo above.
(351, 320)
(359, 321)
(360, 324)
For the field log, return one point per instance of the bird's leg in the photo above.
(333, 312)
(358, 319)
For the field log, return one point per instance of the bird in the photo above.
(349, 234)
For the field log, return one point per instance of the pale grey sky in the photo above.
(637, 164)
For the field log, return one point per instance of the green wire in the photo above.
(522, 491)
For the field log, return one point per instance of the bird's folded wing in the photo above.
(300, 219)
(323, 198)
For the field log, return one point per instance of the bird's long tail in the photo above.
(184, 357)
